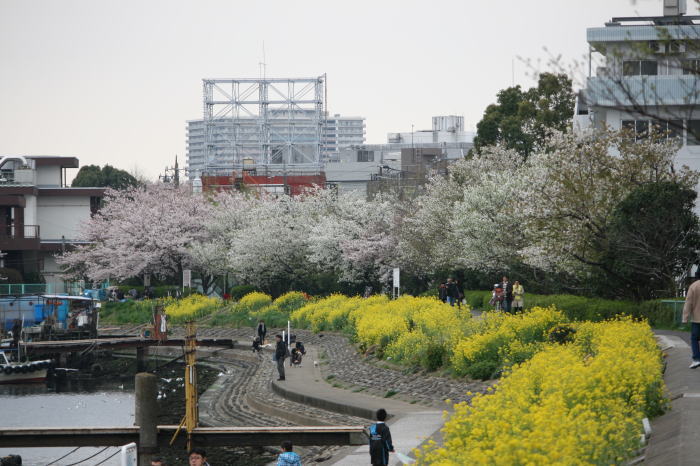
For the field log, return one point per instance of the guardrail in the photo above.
(17, 289)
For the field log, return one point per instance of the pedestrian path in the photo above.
(410, 424)
(675, 436)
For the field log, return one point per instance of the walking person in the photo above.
(691, 313)
(280, 355)
(507, 294)
(288, 457)
(442, 292)
(518, 293)
(452, 292)
(262, 331)
(380, 440)
(460, 294)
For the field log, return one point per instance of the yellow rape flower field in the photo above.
(189, 308)
(574, 400)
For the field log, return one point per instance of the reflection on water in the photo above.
(105, 403)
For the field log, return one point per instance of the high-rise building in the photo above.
(338, 132)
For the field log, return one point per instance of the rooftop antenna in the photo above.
(262, 64)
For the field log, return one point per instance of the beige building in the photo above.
(40, 215)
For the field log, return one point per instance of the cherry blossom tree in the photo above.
(575, 186)
(282, 241)
(470, 218)
(356, 238)
(140, 231)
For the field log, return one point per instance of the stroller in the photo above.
(497, 297)
(296, 358)
(257, 345)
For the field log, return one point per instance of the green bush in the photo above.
(584, 308)
(478, 299)
(272, 315)
(237, 292)
(232, 319)
(434, 356)
(482, 370)
(129, 312)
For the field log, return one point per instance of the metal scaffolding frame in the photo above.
(269, 124)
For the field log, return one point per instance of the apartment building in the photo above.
(648, 78)
(40, 215)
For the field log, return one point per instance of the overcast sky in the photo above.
(114, 82)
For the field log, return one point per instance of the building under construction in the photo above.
(263, 133)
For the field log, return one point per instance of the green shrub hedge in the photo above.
(658, 314)
(136, 312)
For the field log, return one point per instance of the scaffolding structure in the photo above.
(267, 125)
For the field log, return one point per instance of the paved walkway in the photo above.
(675, 437)
(410, 424)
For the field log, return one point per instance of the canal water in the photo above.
(99, 403)
(107, 401)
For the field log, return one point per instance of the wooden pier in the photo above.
(71, 346)
(202, 436)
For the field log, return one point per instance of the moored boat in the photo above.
(22, 372)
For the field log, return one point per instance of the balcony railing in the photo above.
(17, 237)
(20, 231)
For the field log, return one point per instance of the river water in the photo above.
(107, 401)
(101, 403)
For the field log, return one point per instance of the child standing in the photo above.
(288, 457)
(380, 440)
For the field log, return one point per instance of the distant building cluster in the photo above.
(275, 135)
(337, 133)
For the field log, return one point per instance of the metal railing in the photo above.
(20, 231)
(17, 289)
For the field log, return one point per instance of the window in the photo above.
(690, 66)
(694, 132)
(650, 68)
(639, 129)
(630, 67)
(640, 67)
(365, 156)
(667, 128)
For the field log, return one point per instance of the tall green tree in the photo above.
(107, 176)
(521, 120)
(653, 238)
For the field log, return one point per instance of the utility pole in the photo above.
(177, 173)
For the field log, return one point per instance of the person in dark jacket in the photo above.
(262, 331)
(442, 292)
(507, 294)
(380, 440)
(452, 292)
(280, 355)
